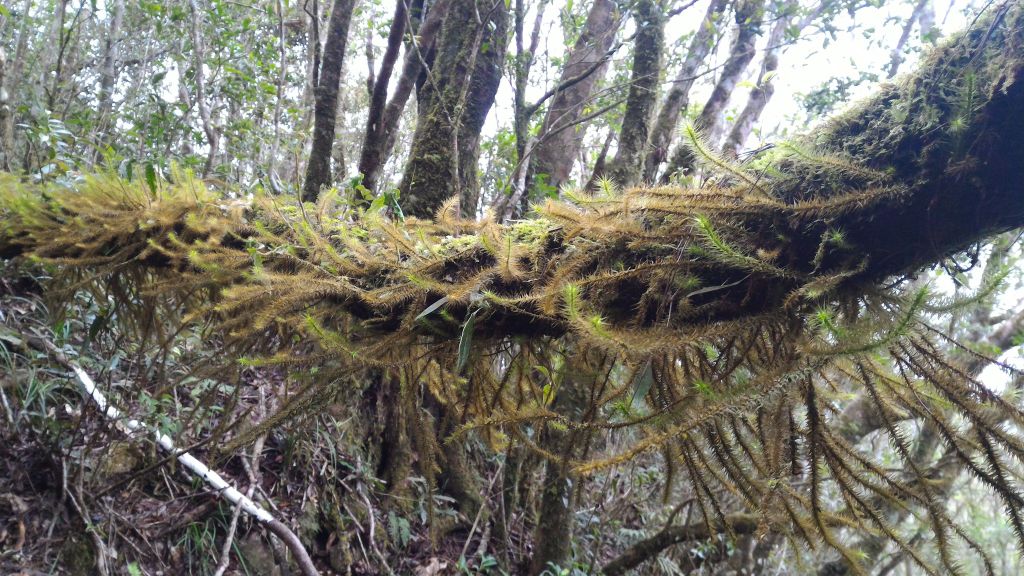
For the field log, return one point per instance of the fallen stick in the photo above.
(211, 477)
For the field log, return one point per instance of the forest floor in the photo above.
(74, 489)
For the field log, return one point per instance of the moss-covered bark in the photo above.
(923, 169)
(431, 174)
(582, 374)
(627, 166)
(483, 85)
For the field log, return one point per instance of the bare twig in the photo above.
(211, 477)
(252, 470)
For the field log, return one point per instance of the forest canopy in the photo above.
(517, 352)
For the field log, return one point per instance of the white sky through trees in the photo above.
(862, 43)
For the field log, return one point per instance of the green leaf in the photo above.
(466, 342)
(426, 312)
(151, 177)
(642, 384)
(549, 394)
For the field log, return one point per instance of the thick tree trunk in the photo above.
(483, 87)
(625, 169)
(678, 97)
(749, 16)
(552, 157)
(432, 172)
(318, 169)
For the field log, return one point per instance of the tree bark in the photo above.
(649, 548)
(678, 97)
(556, 516)
(379, 90)
(483, 86)
(432, 172)
(379, 140)
(552, 157)
(762, 93)
(897, 53)
(626, 168)
(507, 204)
(318, 169)
(282, 77)
(10, 85)
(5, 115)
(749, 16)
(108, 69)
(202, 104)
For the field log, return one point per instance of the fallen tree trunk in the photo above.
(925, 168)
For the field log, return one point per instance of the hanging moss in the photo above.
(744, 299)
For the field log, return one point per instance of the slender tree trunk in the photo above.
(678, 97)
(552, 158)
(108, 70)
(555, 523)
(198, 63)
(5, 115)
(897, 53)
(483, 87)
(9, 89)
(507, 204)
(381, 133)
(626, 167)
(390, 401)
(282, 77)
(325, 108)
(749, 16)
(762, 93)
(52, 78)
(374, 134)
